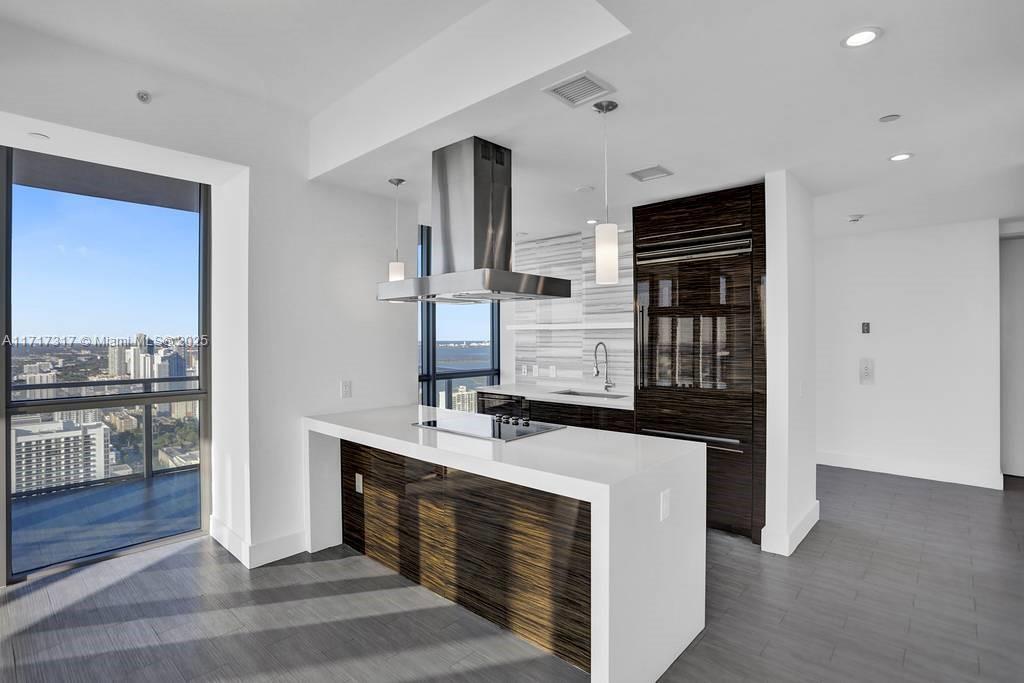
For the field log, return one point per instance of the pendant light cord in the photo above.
(396, 221)
(604, 133)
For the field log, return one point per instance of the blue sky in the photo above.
(84, 266)
(463, 322)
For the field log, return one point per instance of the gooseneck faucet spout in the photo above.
(608, 383)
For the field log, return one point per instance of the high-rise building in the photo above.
(49, 454)
(82, 417)
(42, 377)
(140, 363)
(464, 399)
(184, 409)
(122, 421)
(116, 365)
(175, 363)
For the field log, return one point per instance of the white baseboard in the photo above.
(254, 555)
(231, 541)
(781, 542)
(992, 479)
(276, 549)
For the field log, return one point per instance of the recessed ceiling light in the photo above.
(889, 118)
(902, 156)
(862, 37)
(591, 221)
(41, 136)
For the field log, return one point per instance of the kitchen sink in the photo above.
(589, 394)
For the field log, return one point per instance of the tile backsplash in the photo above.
(560, 334)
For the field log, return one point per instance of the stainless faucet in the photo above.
(608, 383)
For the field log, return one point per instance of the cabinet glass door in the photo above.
(694, 325)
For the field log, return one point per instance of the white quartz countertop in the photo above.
(580, 463)
(549, 393)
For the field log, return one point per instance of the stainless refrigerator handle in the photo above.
(698, 437)
(642, 345)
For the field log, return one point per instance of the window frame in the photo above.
(147, 398)
(429, 377)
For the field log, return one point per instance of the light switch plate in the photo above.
(552, 371)
(346, 388)
(665, 501)
(359, 483)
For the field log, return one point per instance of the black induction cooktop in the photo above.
(493, 427)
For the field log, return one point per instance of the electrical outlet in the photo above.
(867, 371)
(552, 371)
(665, 500)
(359, 483)
(525, 371)
(346, 388)
(536, 371)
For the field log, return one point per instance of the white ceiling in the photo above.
(300, 54)
(719, 92)
(723, 92)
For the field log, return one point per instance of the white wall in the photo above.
(1011, 273)
(314, 254)
(791, 505)
(931, 295)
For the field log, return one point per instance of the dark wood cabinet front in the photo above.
(499, 404)
(559, 413)
(590, 417)
(699, 296)
(614, 420)
(516, 556)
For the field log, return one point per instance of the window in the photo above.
(458, 346)
(107, 357)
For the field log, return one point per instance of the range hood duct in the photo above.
(471, 248)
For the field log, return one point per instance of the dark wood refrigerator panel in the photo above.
(699, 280)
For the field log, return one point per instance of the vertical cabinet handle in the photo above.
(641, 336)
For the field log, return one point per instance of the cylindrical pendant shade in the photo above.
(606, 254)
(396, 271)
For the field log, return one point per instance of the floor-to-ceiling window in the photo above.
(458, 346)
(106, 348)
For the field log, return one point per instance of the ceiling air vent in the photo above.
(579, 89)
(650, 173)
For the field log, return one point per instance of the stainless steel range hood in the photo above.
(471, 249)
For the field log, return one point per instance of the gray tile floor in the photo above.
(902, 579)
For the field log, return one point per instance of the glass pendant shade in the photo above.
(396, 268)
(606, 254)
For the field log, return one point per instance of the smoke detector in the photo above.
(650, 173)
(579, 89)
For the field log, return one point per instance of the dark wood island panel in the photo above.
(517, 556)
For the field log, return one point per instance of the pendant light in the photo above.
(396, 268)
(606, 235)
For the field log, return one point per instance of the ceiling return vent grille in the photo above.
(650, 173)
(579, 89)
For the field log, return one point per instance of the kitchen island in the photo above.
(581, 534)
